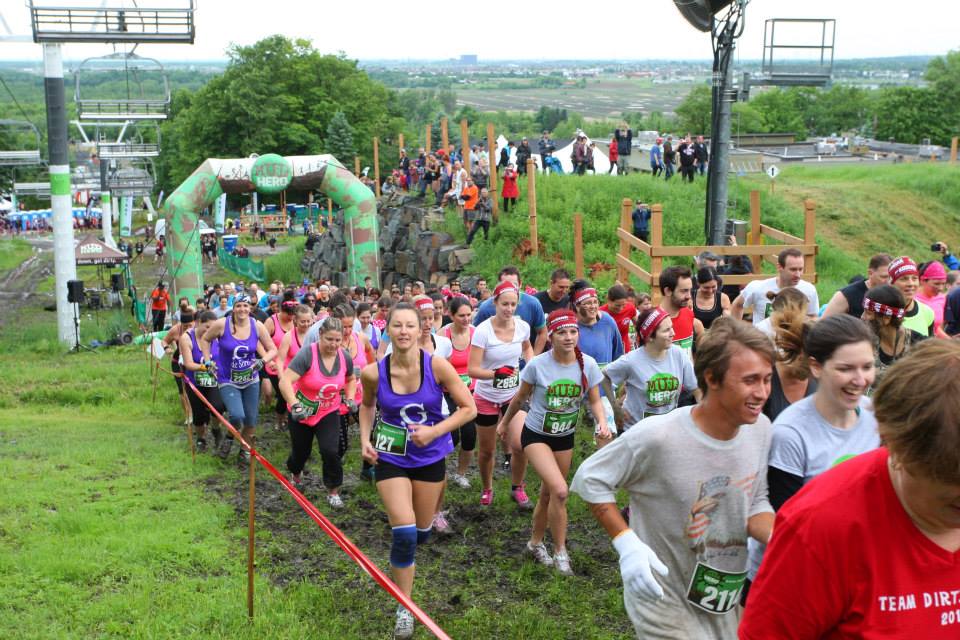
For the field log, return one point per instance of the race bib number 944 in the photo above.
(713, 590)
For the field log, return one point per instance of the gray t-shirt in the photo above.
(690, 498)
(653, 386)
(557, 392)
(806, 445)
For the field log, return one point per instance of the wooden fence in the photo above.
(756, 247)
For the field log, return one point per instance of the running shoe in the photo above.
(440, 524)
(486, 498)
(201, 445)
(243, 457)
(223, 450)
(296, 480)
(561, 561)
(403, 629)
(335, 501)
(540, 553)
(461, 481)
(521, 498)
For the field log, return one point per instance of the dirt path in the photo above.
(18, 288)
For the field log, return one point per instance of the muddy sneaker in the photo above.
(335, 501)
(243, 458)
(223, 451)
(201, 445)
(403, 629)
(520, 497)
(540, 553)
(440, 523)
(461, 481)
(486, 498)
(562, 561)
(296, 480)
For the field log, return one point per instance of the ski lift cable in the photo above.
(15, 101)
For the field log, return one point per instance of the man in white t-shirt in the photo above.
(789, 272)
(697, 480)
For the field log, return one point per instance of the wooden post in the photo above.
(465, 144)
(329, 213)
(656, 241)
(953, 150)
(376, 165)
(444, 136)
(626, 207)
(193, 445)
(578, 243)
(427, 146)
(492, 165)
(250, 535)
(400, 142)
(356, 166)
(756, 236)
(809, 234)
(532, 205)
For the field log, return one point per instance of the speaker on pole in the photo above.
(75, 291)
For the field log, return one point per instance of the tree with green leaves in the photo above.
(695, 112)
(339, 141)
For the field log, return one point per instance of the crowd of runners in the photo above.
(747, 441)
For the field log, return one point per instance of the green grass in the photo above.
(285, 265)
(13, 251)
(860, 210)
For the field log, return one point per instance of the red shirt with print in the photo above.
(624, 320)
(846, 561)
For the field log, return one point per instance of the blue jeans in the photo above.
(243, 405)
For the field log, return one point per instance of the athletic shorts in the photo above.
(433, 472)
(487, 408)
(556, 443)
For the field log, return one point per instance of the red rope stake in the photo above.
(328, 527)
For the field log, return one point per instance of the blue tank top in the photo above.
(235, 362)
(200, 379)
(423, 406)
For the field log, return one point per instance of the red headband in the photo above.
(505, 286)
(583, 294)
(651, 322)
(422, 304)
(561, 319)
(883, 309)
(902, 266)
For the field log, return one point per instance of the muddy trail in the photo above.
(18, 288)
(481, 565)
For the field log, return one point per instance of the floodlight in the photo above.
(700, 13)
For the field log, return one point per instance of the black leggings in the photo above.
(467, 434)
(201, 414)
(507, 202)
(280, 407)
(327, 433)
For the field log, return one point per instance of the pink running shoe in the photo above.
(521, 498)
(486, 497)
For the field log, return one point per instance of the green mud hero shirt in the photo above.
(690, 498)
(557, 392)
(653, 385)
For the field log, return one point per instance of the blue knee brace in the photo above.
(424, 534)
(404, 547)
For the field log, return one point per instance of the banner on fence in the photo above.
(219, 212)
(245, 267)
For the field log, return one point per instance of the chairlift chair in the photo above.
(133, 107)
(130, 142)
(135, 177)
(168, 21)
(21, 144)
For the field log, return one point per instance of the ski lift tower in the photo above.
(108, 22)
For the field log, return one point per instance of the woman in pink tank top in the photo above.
(460, 334)
(312, 387)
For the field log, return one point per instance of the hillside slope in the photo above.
(860, 211)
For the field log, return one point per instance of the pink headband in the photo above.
(583, 294)
(883, 309)
(934, 271)
(423, 304)
(505, 286)
(651, 322)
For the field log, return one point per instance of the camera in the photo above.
(936, 246)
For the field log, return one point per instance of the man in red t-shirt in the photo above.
(623, 312)
(676, 285)
(160, 302)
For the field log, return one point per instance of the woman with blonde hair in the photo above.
(791, 373)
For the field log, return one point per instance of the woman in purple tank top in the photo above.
(410, 440)
(243, 346)
(202, 379)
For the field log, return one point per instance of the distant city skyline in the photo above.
(617, 30)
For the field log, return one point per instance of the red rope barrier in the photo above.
(328, 527)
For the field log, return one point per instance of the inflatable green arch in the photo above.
(269, 174)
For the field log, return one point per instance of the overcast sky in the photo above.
(613, 29)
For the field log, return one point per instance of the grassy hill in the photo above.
(861, 210)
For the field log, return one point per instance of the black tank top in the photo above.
(707, 316)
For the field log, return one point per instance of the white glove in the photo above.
(637, 564)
